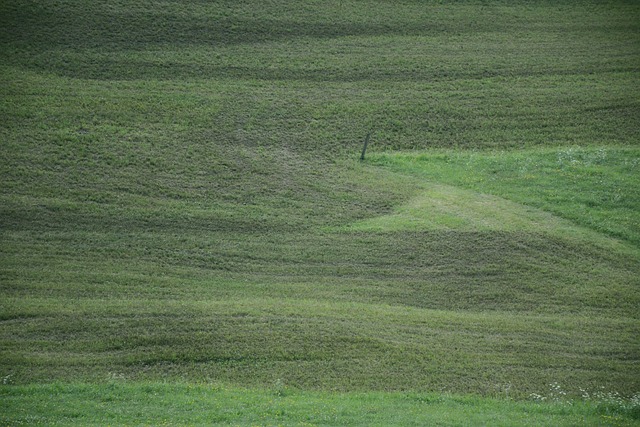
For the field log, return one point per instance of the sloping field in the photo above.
(181, 203)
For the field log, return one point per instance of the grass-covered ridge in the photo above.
(181, 198)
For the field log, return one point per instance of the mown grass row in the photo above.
(459, 311)
(422, 75)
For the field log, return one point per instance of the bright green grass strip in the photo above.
(595, 187)
(124, 403)
(446, 207)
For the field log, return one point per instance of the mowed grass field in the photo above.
(186, 224)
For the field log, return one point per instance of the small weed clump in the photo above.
(611, 406)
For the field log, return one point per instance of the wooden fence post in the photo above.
(364, 149)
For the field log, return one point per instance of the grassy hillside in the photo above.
(181, 197)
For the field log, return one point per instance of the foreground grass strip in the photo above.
(124, 403)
